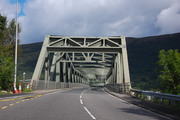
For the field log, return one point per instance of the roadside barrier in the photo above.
(15, 90)
(168, 99)
(47, 85)
(20, 88)
(28, 86)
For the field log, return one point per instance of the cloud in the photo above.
(7, 9)
(168, 19)
(97, 18)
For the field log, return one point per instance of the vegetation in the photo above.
(7, 49)
(6, 68)
(143, 56)
(170, 73)
(27, 90)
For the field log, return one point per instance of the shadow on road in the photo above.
(137, 111)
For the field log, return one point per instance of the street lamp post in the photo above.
(16, 47)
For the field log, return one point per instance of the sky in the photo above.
(96, 18)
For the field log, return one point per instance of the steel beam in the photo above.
(84, 49)
(40, 62)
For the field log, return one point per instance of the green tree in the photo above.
(6, 68)
(7, 50)
(8, 35)
(170, 73)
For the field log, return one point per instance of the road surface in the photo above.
(75, 104)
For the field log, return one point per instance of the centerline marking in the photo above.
(19, 98)
(89, 113)
(11, 104)
(25, 99)
(81, 101)
(83, 93)
(85, 107)
(4, 107)
(18, 102)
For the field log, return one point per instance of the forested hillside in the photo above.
(143, 57)
(142, 53)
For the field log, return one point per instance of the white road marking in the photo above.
(81, 101)
(115, 97)
(83, 93)
(85, 107)
(89, 113)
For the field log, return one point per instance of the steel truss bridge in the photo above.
(85, 60)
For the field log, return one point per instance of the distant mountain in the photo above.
(28, 58)
(142, 54)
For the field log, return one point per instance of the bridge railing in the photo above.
(168, 99)
(42, 85)
(119, 88)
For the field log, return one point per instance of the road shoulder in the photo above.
(162, 110)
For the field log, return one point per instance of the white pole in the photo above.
(16, 47)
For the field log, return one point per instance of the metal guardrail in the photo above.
(27, 80)
(122, 88)
(161, 97)
(42, 85)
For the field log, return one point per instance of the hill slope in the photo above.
(143, 57)
(142, 53)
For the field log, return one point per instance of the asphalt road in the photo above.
(76, 104)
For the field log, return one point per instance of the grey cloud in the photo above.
(7, 9)
(168, 19)
(94, 18)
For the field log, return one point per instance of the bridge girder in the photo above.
(79, 57)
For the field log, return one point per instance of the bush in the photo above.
(27, 90)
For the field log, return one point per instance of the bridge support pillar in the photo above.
(78, 78)
(126, 79)
(75, 76)
(40, 64)
(72, 74)
(119, 73)
(58, 77)
(115, 73)
(57, 72)
(81, 78)
(64, 74)
(69, 76)
(46, 72)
